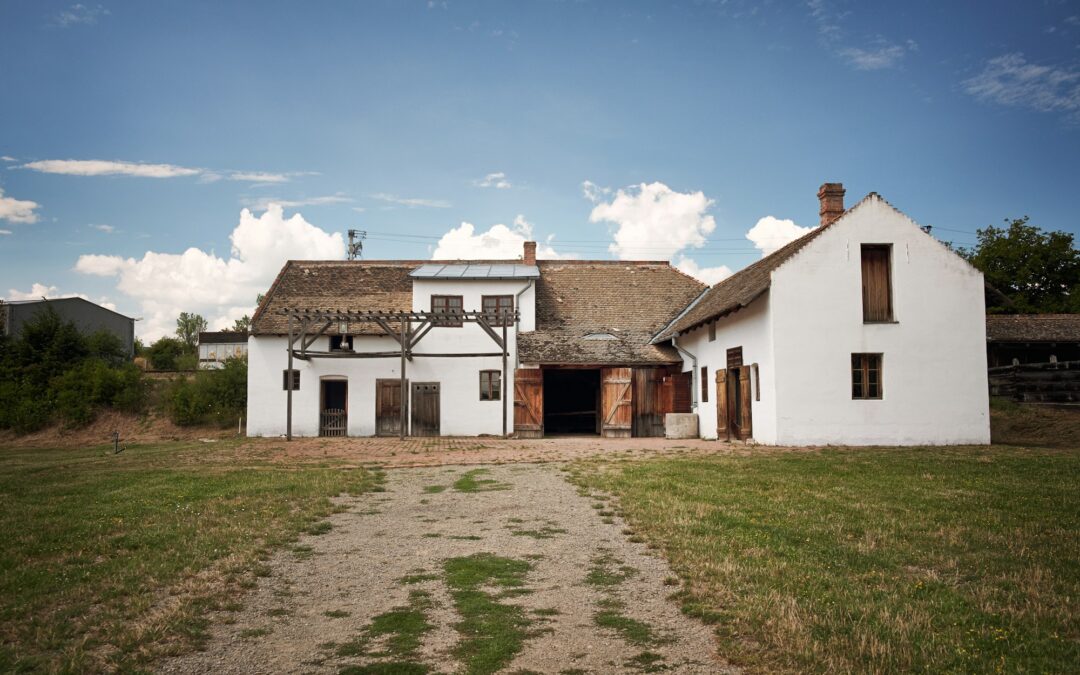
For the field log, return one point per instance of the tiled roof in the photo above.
(336, 284)
(222, 337)
(1033, 327)
(629, 300)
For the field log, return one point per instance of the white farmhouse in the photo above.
(867, 330)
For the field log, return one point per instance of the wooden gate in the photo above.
(651, 400)
(616, 402)
(387, 407)
(425, 409)
(333, 422)
(529, 403)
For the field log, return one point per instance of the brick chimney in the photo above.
(530, 253)
(831, 196)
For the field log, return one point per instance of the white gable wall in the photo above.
(934, 364)
(751, 329)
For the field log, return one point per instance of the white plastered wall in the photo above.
(749, 328)
(934, 355)
(462, 413)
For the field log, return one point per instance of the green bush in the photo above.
(218, 396)
(163, 354)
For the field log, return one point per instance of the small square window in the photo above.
(866, 380)
(498, 309)
(295, 380)
(490, 385)
(450, 305)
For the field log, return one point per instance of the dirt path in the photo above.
(459, 569)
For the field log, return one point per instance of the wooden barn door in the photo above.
(733, 407)
(387, 407)
(529, 403)
(651, 400)
(425, 409)
(616, 402)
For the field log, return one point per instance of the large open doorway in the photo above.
(334, 409)
(571, 401)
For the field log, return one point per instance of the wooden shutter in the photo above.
(529, 403)
(616, 402)
(745, 419)
(723, 427)
(876, 284)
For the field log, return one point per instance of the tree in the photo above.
(1033, 271)
(164, 353)
(188, 327)
(243, 324)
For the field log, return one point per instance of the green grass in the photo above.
(93, 544)
(873, 560)
(434, 489)
(607, 575)
(492, 633)
(470, 483)
(399, 631)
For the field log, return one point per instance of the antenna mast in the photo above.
(356, 243)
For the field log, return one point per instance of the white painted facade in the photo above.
(462, 411)
(803, 331)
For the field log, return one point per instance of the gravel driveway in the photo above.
(463, 569)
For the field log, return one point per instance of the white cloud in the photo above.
(7, 158)
(263, 203)
(79, 14)
(99, 167)
(706, 275)
(495, 180)
(876, 58)
(5, 232)
(498, 243)
(107, 229)
(770, 234)
(655, 222)
(593, 192)
(1010, 80)
(259, 177)
(412, 201)
(17, 210)
(221, 289)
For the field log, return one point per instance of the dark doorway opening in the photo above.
(333, 418)
(571, 401)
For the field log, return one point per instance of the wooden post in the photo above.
(503, 382)
(289, 387)
(404, 392)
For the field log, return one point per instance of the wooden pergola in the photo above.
(307, 325)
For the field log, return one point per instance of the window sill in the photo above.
(868, 323)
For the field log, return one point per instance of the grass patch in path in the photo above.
(470, 483)
(94, 544)
(399, 633)
(606, 574)
(870, 560)
(492, 633)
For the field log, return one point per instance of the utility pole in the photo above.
(356, 243)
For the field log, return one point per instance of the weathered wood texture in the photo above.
(734, 395)
(1038, 382)
(425, 409)
(529, 403)
(723, 426)
(650, 403)
(876, 289)
(388, 407)
(616, 402)
(333, 422)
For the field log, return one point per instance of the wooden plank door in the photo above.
(746, 428)
(616, 402)
(648, 402)
(425, 409)
(387, 407)
(529, 403)
(723, 426)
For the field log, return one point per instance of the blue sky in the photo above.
(407, 119)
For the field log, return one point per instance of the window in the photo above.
(498, 309)
(341, 343)
(712, 332)
(447, 304)
(876, 283)
(490, 385)
(295, 380)
(704, 384)
(865, 376)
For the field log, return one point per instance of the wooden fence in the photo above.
(1038, 382)
(333, 422)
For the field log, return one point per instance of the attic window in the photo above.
(600, 336)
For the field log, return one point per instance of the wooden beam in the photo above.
(404, 386)
(502, 383)
(419, 333)
(288, 390)
(315, 336)
(480, 321)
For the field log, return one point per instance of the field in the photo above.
(869, 560)
(110, 560)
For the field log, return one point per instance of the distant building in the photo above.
(88, 318)
(217, 346)
(1015, 339)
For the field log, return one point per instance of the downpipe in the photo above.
(694, 374)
